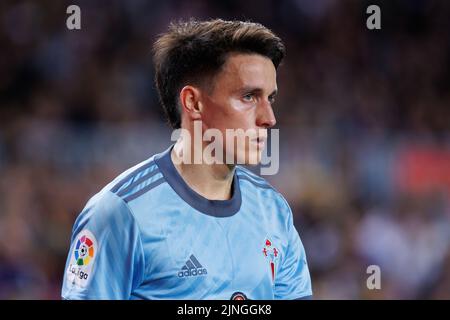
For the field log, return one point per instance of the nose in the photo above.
(265, 117)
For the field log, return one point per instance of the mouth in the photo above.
(260, 141)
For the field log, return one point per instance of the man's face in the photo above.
(241, 98)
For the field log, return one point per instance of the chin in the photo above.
(245, 156)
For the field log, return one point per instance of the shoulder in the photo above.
(111, 202)
(101, 210)
(252, 178)
(256, 184)
(139, 179)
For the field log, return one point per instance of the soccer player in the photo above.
(170, 228)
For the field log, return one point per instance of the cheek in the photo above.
(241, 115)
(236, 105)
(230, 115)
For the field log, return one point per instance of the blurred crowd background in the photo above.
(364, 119)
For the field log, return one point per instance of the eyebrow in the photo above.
(257, 90)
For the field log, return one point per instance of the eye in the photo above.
(248, 97)
(272, 99)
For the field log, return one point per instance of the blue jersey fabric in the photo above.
(148, 235)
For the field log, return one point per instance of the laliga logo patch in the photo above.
(82, 259)
(271, 254)
(84, 251)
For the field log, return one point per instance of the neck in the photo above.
(212, 181)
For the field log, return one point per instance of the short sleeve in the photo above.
(106, 259)
(293, 280)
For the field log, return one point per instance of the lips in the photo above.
(260, 141)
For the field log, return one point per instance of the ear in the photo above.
(190, 102)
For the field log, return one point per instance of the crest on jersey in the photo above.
(271, 254)
(238, 296)
(82, 259)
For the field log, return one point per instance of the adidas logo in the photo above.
(192, 268)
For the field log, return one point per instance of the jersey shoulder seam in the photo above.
(124, 190)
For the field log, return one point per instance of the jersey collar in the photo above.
(215, 208)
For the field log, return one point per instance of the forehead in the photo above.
(249, 70)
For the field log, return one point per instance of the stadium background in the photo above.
(364, 119)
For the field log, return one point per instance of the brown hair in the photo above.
(194, 51)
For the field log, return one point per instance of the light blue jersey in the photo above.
(148, 235)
